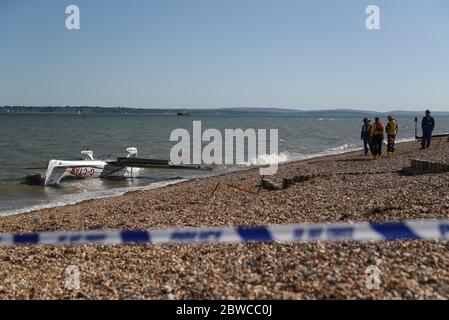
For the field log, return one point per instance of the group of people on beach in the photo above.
(373, 135)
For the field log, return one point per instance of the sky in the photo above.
(314, 54)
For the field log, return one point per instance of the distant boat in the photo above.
(183, 114)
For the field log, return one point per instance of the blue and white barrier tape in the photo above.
(411, 230)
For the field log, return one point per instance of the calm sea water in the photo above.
(28, 141)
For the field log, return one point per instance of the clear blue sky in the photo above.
(226, 53)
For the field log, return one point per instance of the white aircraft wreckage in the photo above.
(89, 167)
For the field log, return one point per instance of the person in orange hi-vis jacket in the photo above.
(377, 136)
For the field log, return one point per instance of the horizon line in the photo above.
(230, 108)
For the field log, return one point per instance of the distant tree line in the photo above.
(85, 110)
(211, 111)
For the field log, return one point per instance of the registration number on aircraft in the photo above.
(82, 171)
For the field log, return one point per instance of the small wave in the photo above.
(405, 140)
(345, 148)
(385, 142)
(266, 159)
(283, 157)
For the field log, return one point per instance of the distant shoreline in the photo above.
(87, 110)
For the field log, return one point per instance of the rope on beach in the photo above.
(408, 230)
(227, 184)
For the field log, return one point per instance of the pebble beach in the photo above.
(363, 190)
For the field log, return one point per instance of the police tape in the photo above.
(408, 230)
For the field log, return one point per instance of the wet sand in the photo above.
(380, 191)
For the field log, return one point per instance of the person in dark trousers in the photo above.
(427, 125)
(365, 135)
(391, 130)
(377, 136)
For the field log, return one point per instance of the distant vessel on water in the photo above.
(183, 114)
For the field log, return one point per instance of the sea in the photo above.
(29, 140)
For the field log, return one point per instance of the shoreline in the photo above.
(118, 192)
(381, 192)
(246, 177)
(316, 158)
(156, 185)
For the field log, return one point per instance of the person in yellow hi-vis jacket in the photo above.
(377, 137)
(391, 130)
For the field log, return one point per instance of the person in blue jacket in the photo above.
(427, 125)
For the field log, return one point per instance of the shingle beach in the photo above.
(344, 188)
